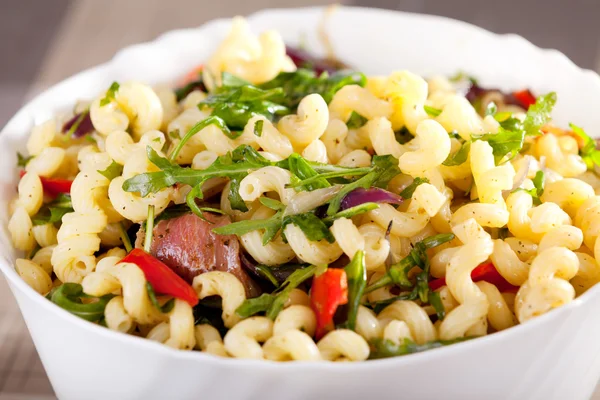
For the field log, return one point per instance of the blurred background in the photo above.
(45, 41)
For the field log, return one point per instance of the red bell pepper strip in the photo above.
(161, 277)
(525, 97)
(192, 75)
(53, 186)
(329, 290)
(483, 272)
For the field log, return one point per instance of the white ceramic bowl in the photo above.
(553, 357)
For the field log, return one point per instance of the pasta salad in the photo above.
(283, 207)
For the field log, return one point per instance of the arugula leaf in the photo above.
(436, 301)
(383, 169)
(112, 171)
(258, 127)
(272, 303)
(356, 120)
(408, 191)
(165, 308)
(432, 112)
(503, 143)
(398, 273)
(75, 126)
(53, 212)
(212, 120)
(69, 297)
(231, 81)
(459, 157)
(271, 225)
(302, 82)
(352, 211)
(538, 189)
(588, 152)
(22, 161)
(356, 272)
(311, 225)
(265, 272)
(303, 170)
(255, 305)
(125, 237)
(384, 348)
(110, 94)
(538, 114)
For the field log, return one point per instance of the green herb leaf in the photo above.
(538, 114)
(352, 211)
(22, 161)
(436, 301)
(125, 237)
(272, 303)
(265, 272)
(255, 305)
(311, 225)
(110, 94)
(383, 348)
(112, 171)
(408, 191)
(303, 170)
(258, 127)
(302, 82)
(504, 142)
(356, 121)
(53, 212)
(432, 112)
(165, 308)
(149, 229)
(272, 203)
(459, 157)
(68, 296)
(588, 152)
(538, 189)
(356, 273)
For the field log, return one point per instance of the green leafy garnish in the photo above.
(302, 82)
(110, 94)
(182, 92)
(112, 171)
(125, 237)
(312, 226)
(356, 272)
(265, 272)
(538, 114)
(356, 120)
(398, 273)
(22, 161)
(258, 127)
(432, 112)
(149, 229)
(272, 303)
(408, 191)
(53, 212)
(504, 142)
(302, 169)
(383, 348)
(383, 169)
(165, 308)
(588, 152)
(69, 297)
(538, 189)
(491, 109)
(352, 211)
(459, 157)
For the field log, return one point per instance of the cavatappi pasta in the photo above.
(286, 215)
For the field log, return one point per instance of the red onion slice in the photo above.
(85, 126)
(372, 195)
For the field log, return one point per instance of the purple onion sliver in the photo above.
(302, 58)
(372, 195)
(85, 126)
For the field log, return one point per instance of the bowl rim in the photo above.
(16, 283)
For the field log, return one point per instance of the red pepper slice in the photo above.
(525, 97)
(329, 290)
(483, 272)
(192, 75)
(161, 277)
(53, 186)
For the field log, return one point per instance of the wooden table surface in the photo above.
(47, 41)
